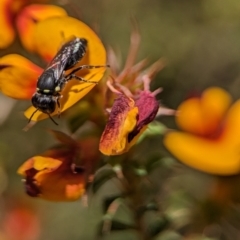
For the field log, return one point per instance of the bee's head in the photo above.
(44, 103)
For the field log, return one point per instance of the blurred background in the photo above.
(200, 40)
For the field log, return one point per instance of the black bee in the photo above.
(52, 81)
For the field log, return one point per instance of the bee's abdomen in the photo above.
(79, 47)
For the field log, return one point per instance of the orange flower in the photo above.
(128, 119)
(54, 175)
(18, 76)
(211, 139)
(52, 179)
(14, 11)
(121, 122)
(134, 109)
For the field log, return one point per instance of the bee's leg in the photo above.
(52, 119)
(72, 76)
(86, 67)
(59, 106)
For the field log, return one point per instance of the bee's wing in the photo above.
(59, 62)
(58, 67)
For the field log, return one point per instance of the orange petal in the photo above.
(60, 29)
(30, 16)
(216, 156)
(203, 115)
(61, 185)
(122, 120)
(231, 126)
(52, 179)
(18, 76)
(7, 33)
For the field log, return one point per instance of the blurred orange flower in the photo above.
(18, 75)
(15, 13)
(29, 17)
(211, 138)
(54, 175)
(20, 222)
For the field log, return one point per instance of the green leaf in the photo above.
(118, 217)
(153, 221)
(141, 172)
(157, 226)
(130, 234)
(152, 206)
(169, 235)
(122, 212)
(154, 129)
(101, 177)
(154, 162)
(62, 137)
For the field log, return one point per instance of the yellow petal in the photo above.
(59, 30)
(205, 155)
(122, 120)
(18, 76)
(30, 16)
(39, 163)
(203, 115)
(216, 156)
(7, 33)
(134, 140)
(25, 166)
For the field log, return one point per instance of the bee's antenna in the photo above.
(48, 115)
(52, 119)
(32, 115)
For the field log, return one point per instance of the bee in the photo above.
(53, 79)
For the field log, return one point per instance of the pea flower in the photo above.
(127, 120)
(54, 175)
(210, 138)
(135, 106)
(18, 75)
(18, 14)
